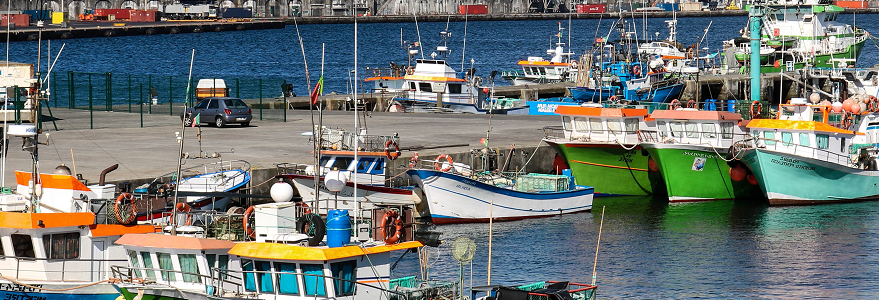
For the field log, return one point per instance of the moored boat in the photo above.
(537, 70)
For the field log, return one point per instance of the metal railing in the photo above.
(59, 269)
(796, 149)
(606, 136)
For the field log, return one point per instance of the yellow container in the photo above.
(58, 17)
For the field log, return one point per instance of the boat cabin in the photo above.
(431, 77)
(691, 126)
(594, 123)
(806, 130)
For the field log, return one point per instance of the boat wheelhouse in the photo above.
(434, 82)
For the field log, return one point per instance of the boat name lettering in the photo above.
(23, 297)
(627, 157)
(793, 163)
(462, 187)
(697, 154)
(18, 288)
(546, 107)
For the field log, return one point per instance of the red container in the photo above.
(475, 9)
(851, 4)
(591, 8)
(19, 20)
(118, 14)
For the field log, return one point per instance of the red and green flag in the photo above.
(318, 90)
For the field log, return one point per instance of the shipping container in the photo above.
(591, 8)
(669, 6)
(19, 20)
(851, 4)
(474, 9)
(59, 17)
(117, 14)
(237, 13)
(39, 15)
(692, 6)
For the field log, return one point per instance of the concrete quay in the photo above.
(144, 153)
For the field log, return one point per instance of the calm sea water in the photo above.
(649, 249)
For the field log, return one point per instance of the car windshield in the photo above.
(235, 103)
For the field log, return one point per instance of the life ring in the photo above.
(413, 161)
(82, 17)
(612, 98)
(691, 53)
(391, 221)
(247, 230)
(392, 155)
(439, 167)
(847, 121)
(691, 104)
(410, 70)
(636, 69)
(183, 207)
(872, 104)
(759, 108)
(312, 226)
(674, 104)
(573, 64)
(304, 207)
(132, 216)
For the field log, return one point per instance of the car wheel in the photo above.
(187, 122)
(245, 124)
(220, 122)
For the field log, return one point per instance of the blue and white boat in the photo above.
(461, 196)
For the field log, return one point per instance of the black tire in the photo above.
(219, 122)
(245, 124)
(187, 122)
(313, 226)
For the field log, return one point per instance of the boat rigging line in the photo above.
(180, 154)
(597, 245)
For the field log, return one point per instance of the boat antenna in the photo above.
(315, 132)
(356, 129)
(597, 244)
(418, 31)
(180, 154)
(464, 48)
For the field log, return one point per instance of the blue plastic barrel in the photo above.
(338, 228)
(710, 104)
(732, 106)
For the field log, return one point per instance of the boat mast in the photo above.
(356, 131)
(180, 154)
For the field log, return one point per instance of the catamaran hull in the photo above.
(368, 195)
(456, 199)
(102, 291)
(794, 180)
(611, 169)
(697, 173)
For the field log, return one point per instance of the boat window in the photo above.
(189, 267)
(61, 245)
(223, 264)
(595, 124)
(661, 126)
(249, 278)
(542, 70)
(2, 250)
(804, 139)
(770, 137)
(425, 87)
(692, 130)
(708, 131)
(287, 283)
(677, 129)
(842, 145)
(341, 163)
(148, 265)
(314, 285)
(534, 71)
(581, 124)
(807, 19)
(135, 264)
(412, 86)
(631, 125)
(614, 126)
(363, 164)
(726, 130)
(455, 88)
(23, 246)
(787, 138)
(165, 263)
(566, 122)
(214, 104)
(344, 275)
(323, 161)
(265, 276)
(823, 141)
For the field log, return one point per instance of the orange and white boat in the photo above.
(536, 70)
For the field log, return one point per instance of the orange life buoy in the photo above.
(303, 207)
(847, 120)
(674, 104)
(410, 70)
(872, 104)
(636, 69)
(132, 216)
(183, 207)
(691, 104)
(612, 98)
(413, 161)
(437, 165)
(759, 108)
(573, 64)
(392, 155)
(247, 230)
(391, 221)
(82, 17)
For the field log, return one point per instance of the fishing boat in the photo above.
(537, 70)
(689, 148)
(743, 53)
(456, 194)
(538, 290)
(668, 49)
(368, 163)
(600, 145)
(812, 154)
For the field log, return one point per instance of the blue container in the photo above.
(710, 104)
(338, 228)
(732, 106)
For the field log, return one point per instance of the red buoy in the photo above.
(651, 165)
(738, 173)
(752, 179)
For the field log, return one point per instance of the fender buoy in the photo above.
(759, 108)
(410, 70)
(413, 161)
(312, 226)
(391, 221)
(303, 207)
(439, 167)
(131, 217)
(392, 155)
(636, 69)
(183, 207)
(674, 104)
(691, 104)
(247, 230)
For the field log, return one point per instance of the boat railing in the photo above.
(218, 168)
(64, 270)
(219, 282)
(605, 136)
(790, 147)
(335, 139)
(691, 137)
(209, 224)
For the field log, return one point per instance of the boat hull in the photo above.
(664, 94)
(456, 199)
(817, 182)
(102, 291)
(368, 195)
(697, 173)
(164, 293)
(612, 170)
(590, 94)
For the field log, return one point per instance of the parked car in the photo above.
(218, 111)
